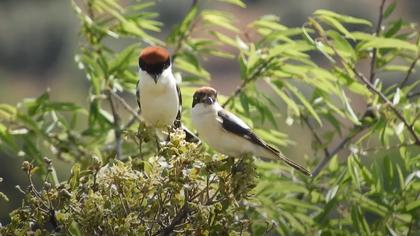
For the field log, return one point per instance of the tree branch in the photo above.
(316, 136)
(181, 216)
(373, 89)
(133, 112)
(337, 149)
(412, 66)
(117, 129)
(409, 72)
(375, 51)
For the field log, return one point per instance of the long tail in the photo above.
(190, 136)
(289, 162)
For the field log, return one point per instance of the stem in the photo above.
(338, 148)
(316, 136)
(409, 72)
(182, 214)
(117, 129)
(375, 51)
(126, 106)
(412, 66)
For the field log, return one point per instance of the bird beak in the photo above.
(209, 100)
(155, 78)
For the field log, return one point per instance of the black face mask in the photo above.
(155, 69)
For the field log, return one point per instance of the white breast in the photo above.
(159, 101)
(204, 120)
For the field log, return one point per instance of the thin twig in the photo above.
(236, 92)
(381, 148)
(133, 112)
(181, 216)
(246, 81)
(409, 72)
(338, 148)
(412, 66)
(375, 51)
(130, 122)
(316, 136)
(117, 128)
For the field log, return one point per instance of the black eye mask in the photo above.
(154, 69)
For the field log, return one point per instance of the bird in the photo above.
(158, 94)
(228, 134)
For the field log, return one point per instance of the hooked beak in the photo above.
(209, 100)
(155, 77)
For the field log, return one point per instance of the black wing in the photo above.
(231, 124)
(138, 96)
(177, 122)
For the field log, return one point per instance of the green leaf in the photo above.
(290, 103)
(305, 102)
(224, 38)
(219, 19)
(179, 31)
(390, 9)
(270, 22)
(123, 59)
(359, 221)
(380, 42)
(342, 18)
(7, 111)
(353, 117)
(393, 28)
(336, 24)
(395, 68)
(189, 65)
(342, 45)
(369, 204)
(234, 2)
(413, 206)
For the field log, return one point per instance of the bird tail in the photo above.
(289, 162)
(190, 136)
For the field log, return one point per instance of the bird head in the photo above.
(205, 95)
(154, 60)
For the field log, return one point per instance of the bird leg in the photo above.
(238, 166)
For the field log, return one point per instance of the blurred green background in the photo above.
(38, 41)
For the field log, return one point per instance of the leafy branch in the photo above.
(254, 76)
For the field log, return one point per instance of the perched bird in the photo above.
(228, 134)
(158, 94)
